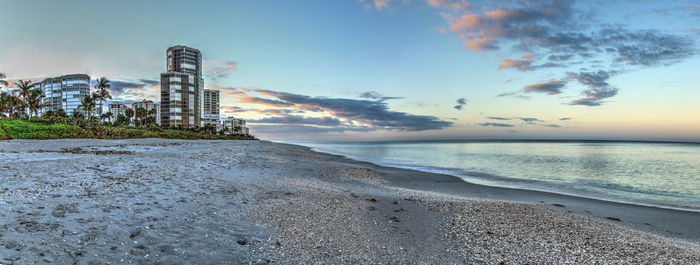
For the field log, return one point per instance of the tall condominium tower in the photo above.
(211, 107)
(64, 92)
(182, 88)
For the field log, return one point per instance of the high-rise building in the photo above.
(148, 105)
(210, 115)
(182, 88)
(64, 92)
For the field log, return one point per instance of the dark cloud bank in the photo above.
(346, 114)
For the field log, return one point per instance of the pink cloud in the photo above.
(523, 65)
(481, 44)
(448, 4)
(465, 22)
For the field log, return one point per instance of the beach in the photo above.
(158, 201)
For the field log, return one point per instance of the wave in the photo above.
(592, 189)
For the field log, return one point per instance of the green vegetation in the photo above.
(22, 129)
(19, 119)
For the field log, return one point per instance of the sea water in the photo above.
(656, 174)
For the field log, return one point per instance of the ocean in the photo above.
(646, 173)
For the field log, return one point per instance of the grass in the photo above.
(22, 129)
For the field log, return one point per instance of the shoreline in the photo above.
(438, 172)
(648, 218)
(161, 201)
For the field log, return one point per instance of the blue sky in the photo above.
(581, 69)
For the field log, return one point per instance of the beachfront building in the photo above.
(148, 105)
(116, 109)
(64, 92)
(232, 126)
(182, 88)
(210, 115)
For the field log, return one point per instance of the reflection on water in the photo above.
(662, 174)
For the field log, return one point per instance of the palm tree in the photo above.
(129, 114)
(140, 114)
(87, 104)
(25, 90)
(35, 101)
(109, 115)
(10, 104)
(102, 93)
(61, 113)
(5, 103)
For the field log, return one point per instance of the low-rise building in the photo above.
(117, 109)
(233, 126)
(148, 105)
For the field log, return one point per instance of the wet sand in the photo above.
(157, 201)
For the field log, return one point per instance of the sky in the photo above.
(389, 69)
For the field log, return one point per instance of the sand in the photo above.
(156, 201)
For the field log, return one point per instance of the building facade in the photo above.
(117, 109)
(210, 114)
(182, 88)
(232, 126)
(64, 92)
(148, 105)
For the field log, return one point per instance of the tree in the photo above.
(61, 113)
(77, 117)
(102, 93)
(34, 102)
(149, 121)
(121, 120)
(10, 104)
(129, 114)
(109, 115)
(140, 114)
(87, 104)
(5, 104)
(25, 90)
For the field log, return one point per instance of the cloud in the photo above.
(499, 118)
(460, 103)
(598, 87)
(231, 109)
(481, 44)
(296, 119)
(240, 96)
(565, 119)
(373, 114)
(381, 4)
(562, 57)
(296, 129)
(150, 82)
(560, 29)
(520, 65)
(552, 125)
(376, 96)
(526, 64)
(552, 87)
(128, 91)
(449, 4)
(530, 120)
(493, 124)
(216, 70)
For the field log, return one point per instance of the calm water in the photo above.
(659, 174)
